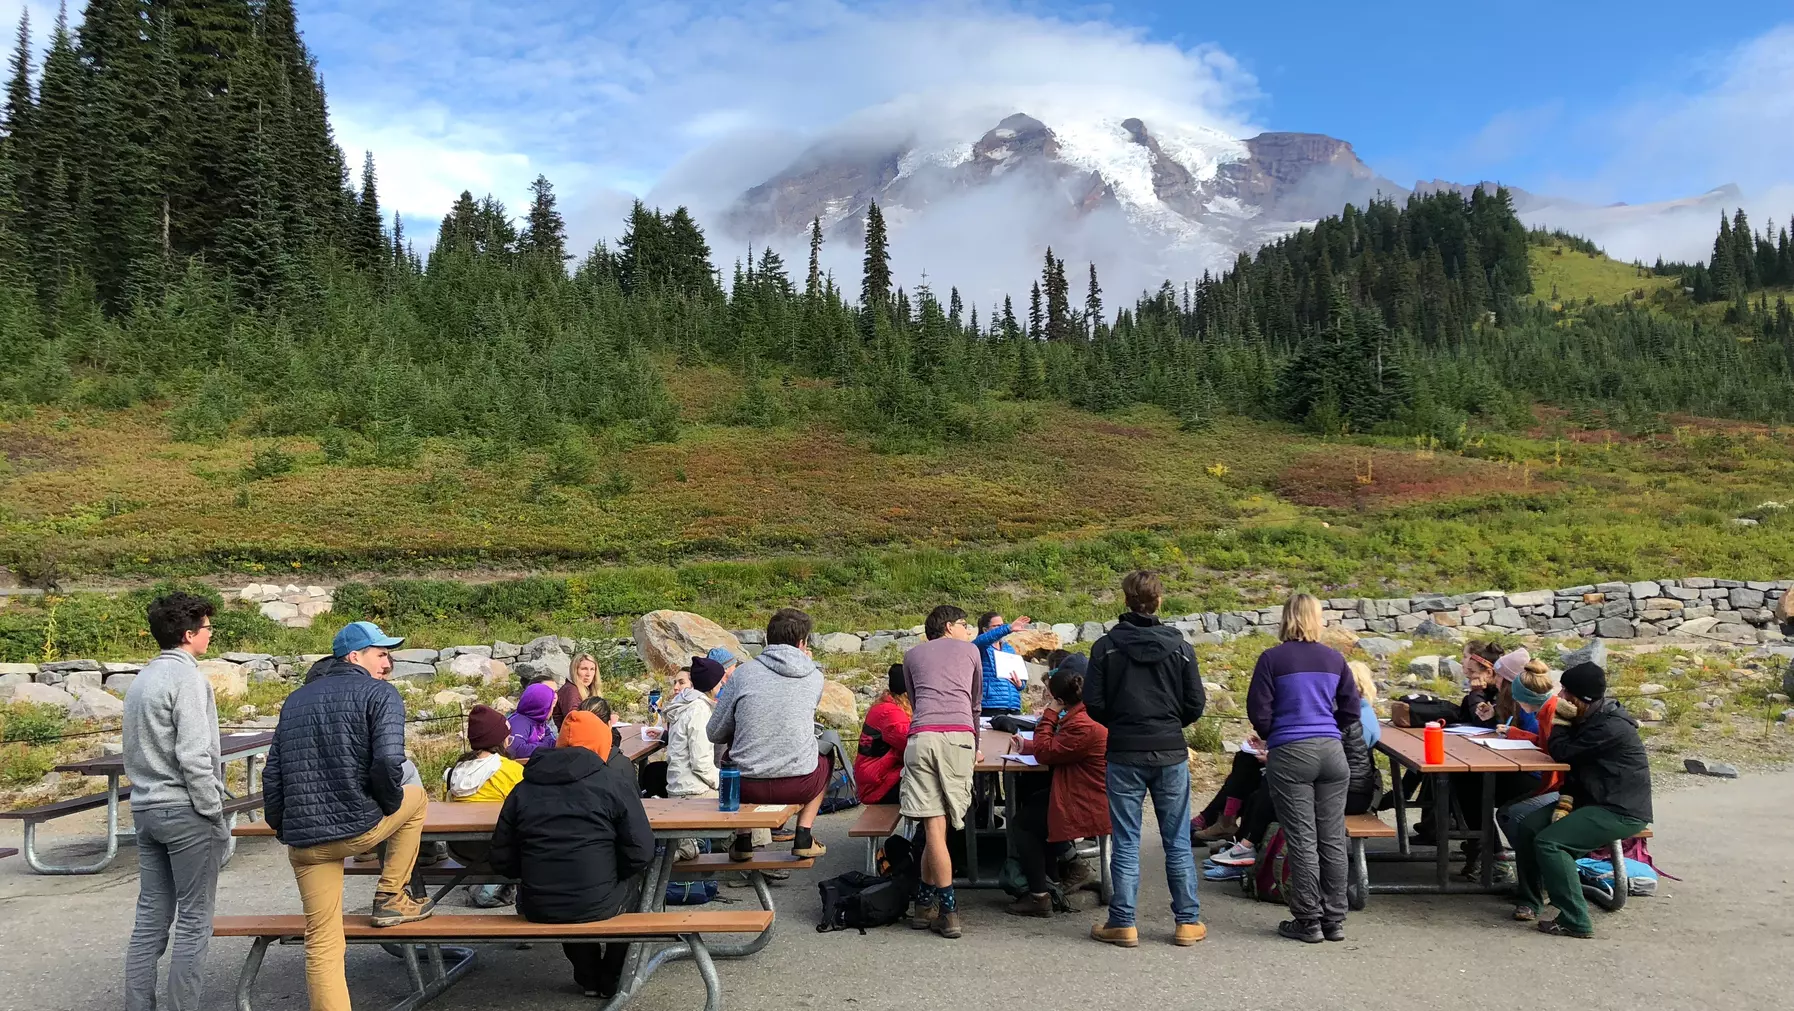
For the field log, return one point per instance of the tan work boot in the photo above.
(922, 916)
(392, 910)
(1188, 934)
(947, 925)
(1121, 937)
(1226, 828)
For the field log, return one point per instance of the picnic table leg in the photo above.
(1442, 830)
(252, 967)
(36, 863)
(654, 899)
(713, 984)
(1401, 808)
(1491, 842)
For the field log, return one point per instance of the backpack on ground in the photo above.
(1641, 878)
(692, 893)
(857, 900)
(897, 859)
(1269, 878)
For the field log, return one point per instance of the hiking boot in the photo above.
(1075, 874)
(742, 849)
(1032, 905)
(1525, 913)
(1333, 931)
(947, 925)
(1558, 929)
(804, 844)
(1121, 937)
(922, 916)
(776, 875)
(1226, 828)
(1188, 934)
(1306, 933)
(392, 910)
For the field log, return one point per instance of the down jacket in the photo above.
(1076, 747)
(1366, 780)
(337, 764)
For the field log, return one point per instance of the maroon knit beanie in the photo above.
(486, 729)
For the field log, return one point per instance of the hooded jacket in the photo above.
(878, 764)
(530, 727)
(489, 779)
(1075, 746)
(766, 714)
(1607, 760)
(1142, 684)
(691, 758)
(337, 763)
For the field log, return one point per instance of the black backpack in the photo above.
(1417, 709)
(859, 900)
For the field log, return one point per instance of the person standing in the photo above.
(945, 680)
(1301, 696)
(1142, 685)
(177, 804)
(1002, 697)
(334, 786)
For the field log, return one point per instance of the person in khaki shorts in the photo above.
(334, 786)
(945, 678)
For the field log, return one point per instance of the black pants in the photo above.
(1242, 782)
(1028, 837)
(654, 780)
(1467, 790)
(597, 967)
(1259, 812)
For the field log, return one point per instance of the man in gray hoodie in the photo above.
(766, 715)
(177, 804)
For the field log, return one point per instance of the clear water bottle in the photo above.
(654, 705)
(728, 789)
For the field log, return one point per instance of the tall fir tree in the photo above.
(813, 279)
(875, 267)
(369, 248)
(545, 235)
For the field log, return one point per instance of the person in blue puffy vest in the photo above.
(1001, 697)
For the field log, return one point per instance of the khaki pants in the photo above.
(319, 871)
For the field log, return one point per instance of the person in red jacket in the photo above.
(878, 769)
(1077, 807)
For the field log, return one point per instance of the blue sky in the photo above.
(1597, 100)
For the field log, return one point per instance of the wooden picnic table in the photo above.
(1406, 747)
(247, 746)
(637, 746)
(993, 745)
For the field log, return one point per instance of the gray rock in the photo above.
(507, 651)
(1645, 588)
(1785, 716)
(1430, 629)
(1066, 631)
(1507, 617)
(1090, 631)
(44, 695)
(10, 681)
(119, 684)
(1743, 635)
(1232, 623)
(1379, 647)
(51, 677)
(1595, 652)
(66, 666)
(1743, 596)
(1728, 584)
(1409, 622)
(1476, 619)
(412, 669)
(121, 668)
(1394, 607)
(878, 643)
(1424, 666)
(1702, 767)
(247, 657)
(1380, 625)
(1575, 591)
(88, 678)
(93, 703)
(1533, 598)
(1615, 587)
(1484, 604)
(27, 669)
(1617, 609)
(1614, 628)
(484, 652)
(1698, 583)
(1207, 638)
(1587, 612)
(836, 642)
(1681, 592)
(1788, 680)
(908, 642)
(1355, 624)
(1450, 667)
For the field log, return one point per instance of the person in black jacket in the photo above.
(333, 787)
(572, 833)
(1610, 785)
(1142, 685)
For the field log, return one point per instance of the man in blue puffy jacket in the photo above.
(334, 787)
(1002, 697)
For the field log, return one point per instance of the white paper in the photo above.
(1466, 730)
(620, 726)
(769, 808)
(1011, 667)
(1023, 759)
(1026, 735)
(984, 722)
(1247, 747)
(1503, 744)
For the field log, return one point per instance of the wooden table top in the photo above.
(635, 746)
(995, 744)
(665, 815)
(1475, 757)
(230, 746)
(1410, 750)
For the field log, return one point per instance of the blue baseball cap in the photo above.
(360, 635)
(724, 655)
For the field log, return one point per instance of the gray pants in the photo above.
(1308, 781)
(178, 853)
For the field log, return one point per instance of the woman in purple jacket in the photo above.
(1302, 694)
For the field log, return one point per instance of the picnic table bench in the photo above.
(433, 935)
(671, 821)
(246, 746)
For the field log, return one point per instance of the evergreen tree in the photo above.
(875, 283)
(1093, 304)
(813, 280)
(19, 101)
(545, 235)
(369, 246)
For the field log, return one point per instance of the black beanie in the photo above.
(894, 680)
(1585, 681)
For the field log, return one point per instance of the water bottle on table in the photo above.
(728, 788)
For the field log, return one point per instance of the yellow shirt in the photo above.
(498, 786)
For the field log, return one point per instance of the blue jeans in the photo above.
(1170, 788)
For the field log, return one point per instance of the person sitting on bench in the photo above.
(1606, 797)
(766, 715)
(878, 766)
(483, 775)
(1077, 804)
(572, 833)
(334, 786)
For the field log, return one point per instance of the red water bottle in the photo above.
(1435, 743)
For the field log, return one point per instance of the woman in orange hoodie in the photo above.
(1075, 746)
(1533, 692)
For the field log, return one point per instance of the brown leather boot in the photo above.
(1032, 905)
(947, 925)
(922, 917)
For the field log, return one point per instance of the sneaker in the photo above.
(947, 925)
(923, 917)
(1525, 913)
(784, 835)
(1223, 873)
(815, 849)
(1558, 929)
(1188, 934)
(1242, 855)
(1308, 934)
(1121, 937)
(1333, 931)
(1032, 905)
(1229, 847)
(742, 849)
(392, 910)
(776, 875)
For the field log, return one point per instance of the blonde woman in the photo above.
(1302, 697)
(583, 682)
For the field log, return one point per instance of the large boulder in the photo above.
(428, 656)
(10, 681)
(667, 640)
(27, 669)
(834, 642)
(1595, 652)
(472, 665)
(838, 708)
(1034, 643)
(93, 703)
(44, 695)
(406, 669)
(550, 665)
(1339, 637)
(228, 679)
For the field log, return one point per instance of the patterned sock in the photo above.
(946, 899)
(924, 894)
(1231, 808)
